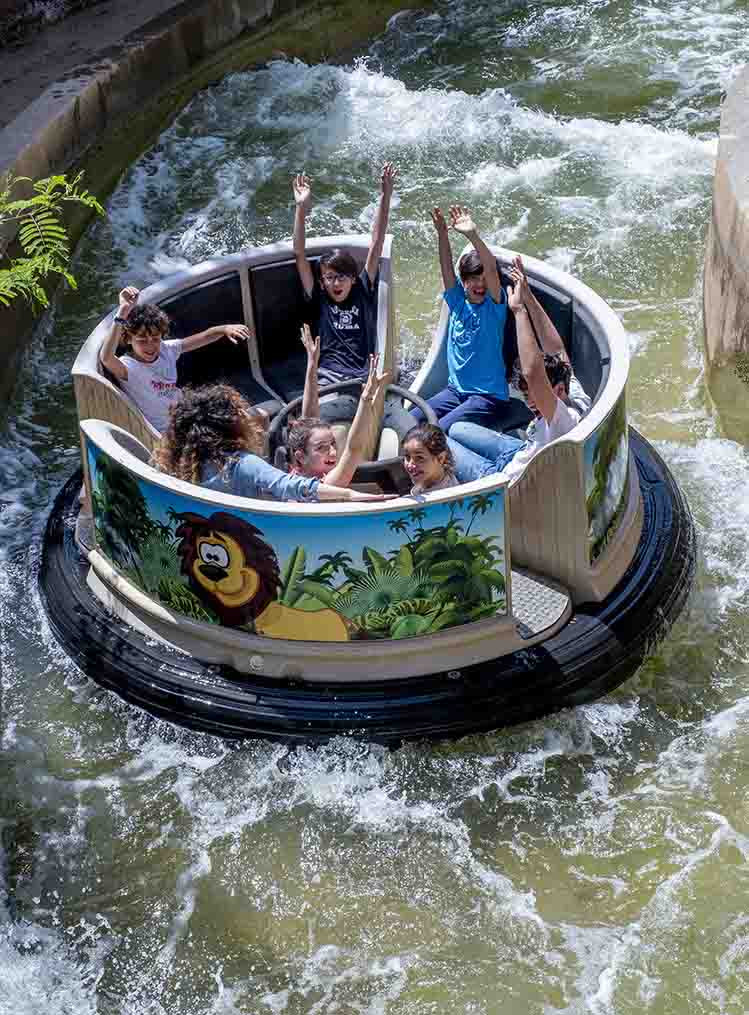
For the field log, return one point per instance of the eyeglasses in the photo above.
(333, 277)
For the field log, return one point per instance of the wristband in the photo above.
(121, 320)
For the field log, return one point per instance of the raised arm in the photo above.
(234, 332)
(380, 228)
(461, 221)
(351, 458)
(311, 396)
(443, 248)
(303, 202)
(107, 354)
(532, 363)
(548, 336)
(257, 477)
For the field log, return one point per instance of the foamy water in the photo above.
(591, 862)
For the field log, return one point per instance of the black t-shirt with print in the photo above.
(347, 330)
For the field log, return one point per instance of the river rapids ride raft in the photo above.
(468, 609)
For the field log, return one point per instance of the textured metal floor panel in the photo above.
(536, 605)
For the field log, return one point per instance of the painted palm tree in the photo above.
(382, 590)
(608, 482)
(468, 569)
(121, 513)
(432, 545)
(416, 516)
(441, 576)
(332, 563)
(479, 505)
(471, 582)
(157, 559)
(175, 519)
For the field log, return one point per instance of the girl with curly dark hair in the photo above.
(215, 439)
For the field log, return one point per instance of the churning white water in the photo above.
(593, 862)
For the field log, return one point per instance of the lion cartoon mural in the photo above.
(235, 573)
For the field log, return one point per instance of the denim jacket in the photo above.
(248, 475)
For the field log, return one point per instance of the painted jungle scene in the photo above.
(386, 575)
(606, 478)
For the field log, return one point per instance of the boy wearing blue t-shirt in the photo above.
(477, 390)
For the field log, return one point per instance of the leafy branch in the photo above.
(41, 233)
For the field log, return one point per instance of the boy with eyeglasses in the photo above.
(343, 307)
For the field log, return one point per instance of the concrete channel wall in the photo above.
(103, 113)
(726, 283)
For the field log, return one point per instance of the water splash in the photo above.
(589, 862)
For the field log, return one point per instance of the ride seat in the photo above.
(129, 443)
(390, 444)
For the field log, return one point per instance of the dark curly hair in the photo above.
(208, 424)
(434, 439)
(558, 370)
(147, 317)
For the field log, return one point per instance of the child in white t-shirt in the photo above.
(148, 371)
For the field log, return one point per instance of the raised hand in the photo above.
(438, 220)
(461, 221)
(261, 416)
(236, 333)
(389, 173)
(302, 191)
(520, 280)
(127, 300)
(375, 382)
(312, 345)
(514, 295)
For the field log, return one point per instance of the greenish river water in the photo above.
(593, 862)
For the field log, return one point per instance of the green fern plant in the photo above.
(175, 595)
(157, 559)
(41, 233)
(379, 590)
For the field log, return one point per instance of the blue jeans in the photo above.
(478, 451)
(451, 406)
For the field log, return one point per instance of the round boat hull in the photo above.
(601, 647)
